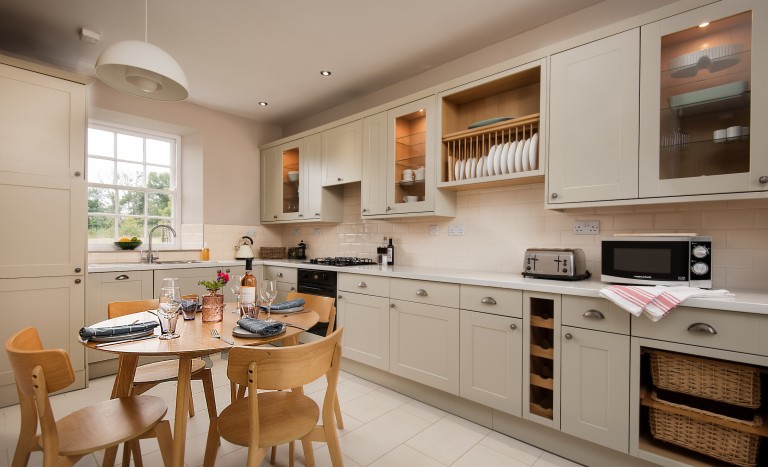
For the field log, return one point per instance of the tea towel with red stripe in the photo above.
(655, 302)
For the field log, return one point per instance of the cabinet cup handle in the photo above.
(362, 285)
(568, 336)
(279, 274)
(122, 277)
(763, 179)
(513, 326)
(77, 281)
(488, 300)
(702, 328)
(421, 293)
(594, 314)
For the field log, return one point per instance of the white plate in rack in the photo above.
(526, 161)
(519, 156)
(533, 155)
(511, 156)
(472, 167)
(497, 159)
(456, 167)
(481, 167)
(503, 161)
(491, 157)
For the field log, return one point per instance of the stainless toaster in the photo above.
(567, 264)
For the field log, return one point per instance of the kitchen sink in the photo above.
(185, 261)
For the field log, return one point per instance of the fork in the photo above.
(215, 334)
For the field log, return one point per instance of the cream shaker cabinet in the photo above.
(270, 197)
(373, 188)
(702, 90)
(594, 113)
(363, 310)
(342, 153)
(285, 279)
(189, 278)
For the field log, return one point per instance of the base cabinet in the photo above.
(366, 328)
(491, 363)
(285, 280)
(189, 278)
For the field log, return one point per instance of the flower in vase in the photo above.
(221, 280)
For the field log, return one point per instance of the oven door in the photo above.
(665, 262)
(321, 283)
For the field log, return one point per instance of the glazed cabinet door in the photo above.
(491, 363)
(366, 328)
(342, 154)
(702, 90)
(595, 387)
(373, 196)
(290, 180)
(594, 115)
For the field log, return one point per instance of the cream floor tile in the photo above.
(195, 450)
(359, 384)
(425, 411)
(323, 458)
(550, 460)
(511, 447)
(376, 438)
(404, 455)
(448, 438)
(481, 455)
(374, 404)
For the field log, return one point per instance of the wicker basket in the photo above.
(272, 252)
(704, 377)
(705, 432)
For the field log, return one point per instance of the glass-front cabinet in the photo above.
(701, 95)
(408, 126)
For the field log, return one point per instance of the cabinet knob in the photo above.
(227, 271)
(553, 195)
(339, 297)
(339, 179)
(301, 215)
(317, 214)
(594, 314)
(78, 269)
(365, 210)
(703, 328)
(122, 277)
(389, 208)
(391, 305)
(421, 293)
(293, 288)
(488, 301)
(279, 274)
(513, 326)
(274, 217)
(763, 179)
(77, 173)
(77, 281)
(568, 336)
(362, 285)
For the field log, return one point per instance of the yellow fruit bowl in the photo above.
(128, 245)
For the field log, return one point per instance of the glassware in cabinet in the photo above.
(290, 179)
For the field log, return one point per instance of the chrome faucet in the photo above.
(151, 258)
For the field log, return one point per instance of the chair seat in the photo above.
(284, 416)
(167, 370)
(108, 423)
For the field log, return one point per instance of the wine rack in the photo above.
(542, 357)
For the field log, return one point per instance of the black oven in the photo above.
(317, 282)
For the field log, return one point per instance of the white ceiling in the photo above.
(239, 52)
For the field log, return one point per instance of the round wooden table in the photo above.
(194, 341)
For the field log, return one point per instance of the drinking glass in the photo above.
(236, 290)
(170, 302)
(267, 294)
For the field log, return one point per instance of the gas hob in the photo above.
(341, 261)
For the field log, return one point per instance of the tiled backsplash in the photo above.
(500, 223)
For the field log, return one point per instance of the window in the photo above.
(132, 184)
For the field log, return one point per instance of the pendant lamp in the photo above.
(142, 69)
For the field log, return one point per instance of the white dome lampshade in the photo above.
(142, 69)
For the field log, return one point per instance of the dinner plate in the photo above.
(491, 157)
(456, 170)
(511, 156)
(497, 159)
(121, 337)
(461, 169)
(526, 161)
(240, 332)
(533, 151)
(519, 156)
(472, 167)
(481, 167)
(503, 161)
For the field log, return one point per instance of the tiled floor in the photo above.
(382, 429)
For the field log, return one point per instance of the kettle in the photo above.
(244, 250)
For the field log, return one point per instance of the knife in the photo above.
(104, 344)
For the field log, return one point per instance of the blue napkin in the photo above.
(261, 327)
(295, 303)
(87, 333)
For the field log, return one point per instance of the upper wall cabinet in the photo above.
(491, 130)
(703, 87)
(342, 154)
(593, 124)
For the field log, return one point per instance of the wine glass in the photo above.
(267, 294)
(170, 302)
(235, 287)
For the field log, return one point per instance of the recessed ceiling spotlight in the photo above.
(263, 104)
(325, 72)
(704, 24)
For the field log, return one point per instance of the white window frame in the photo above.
(175, 187)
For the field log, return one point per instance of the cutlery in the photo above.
(104, 344)
(292, 325)
(215, 334)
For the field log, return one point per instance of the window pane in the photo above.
(161, 235)
(158, 177)
(101, 143)
(101, 229)
(158, 152)
(130, 227)
(101, 171)
(130, 148)
(159, 204)
(131, 202)
(130, 174)
(101, 200)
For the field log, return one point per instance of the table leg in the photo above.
(182, 406)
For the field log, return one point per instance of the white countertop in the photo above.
(748, 301)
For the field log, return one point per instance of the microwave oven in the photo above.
(658, 260)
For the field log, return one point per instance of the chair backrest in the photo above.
(25, 352)
(117, 309)
(323, 306)
(284, 367)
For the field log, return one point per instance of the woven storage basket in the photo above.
(703, 377)
(721, 442)
(272, 252)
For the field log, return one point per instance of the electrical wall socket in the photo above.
(317, 232)
(586, 227)
(455, 230)
(434, 230)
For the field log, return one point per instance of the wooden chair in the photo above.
(264, 419)
(150, 375)
(39, 372)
